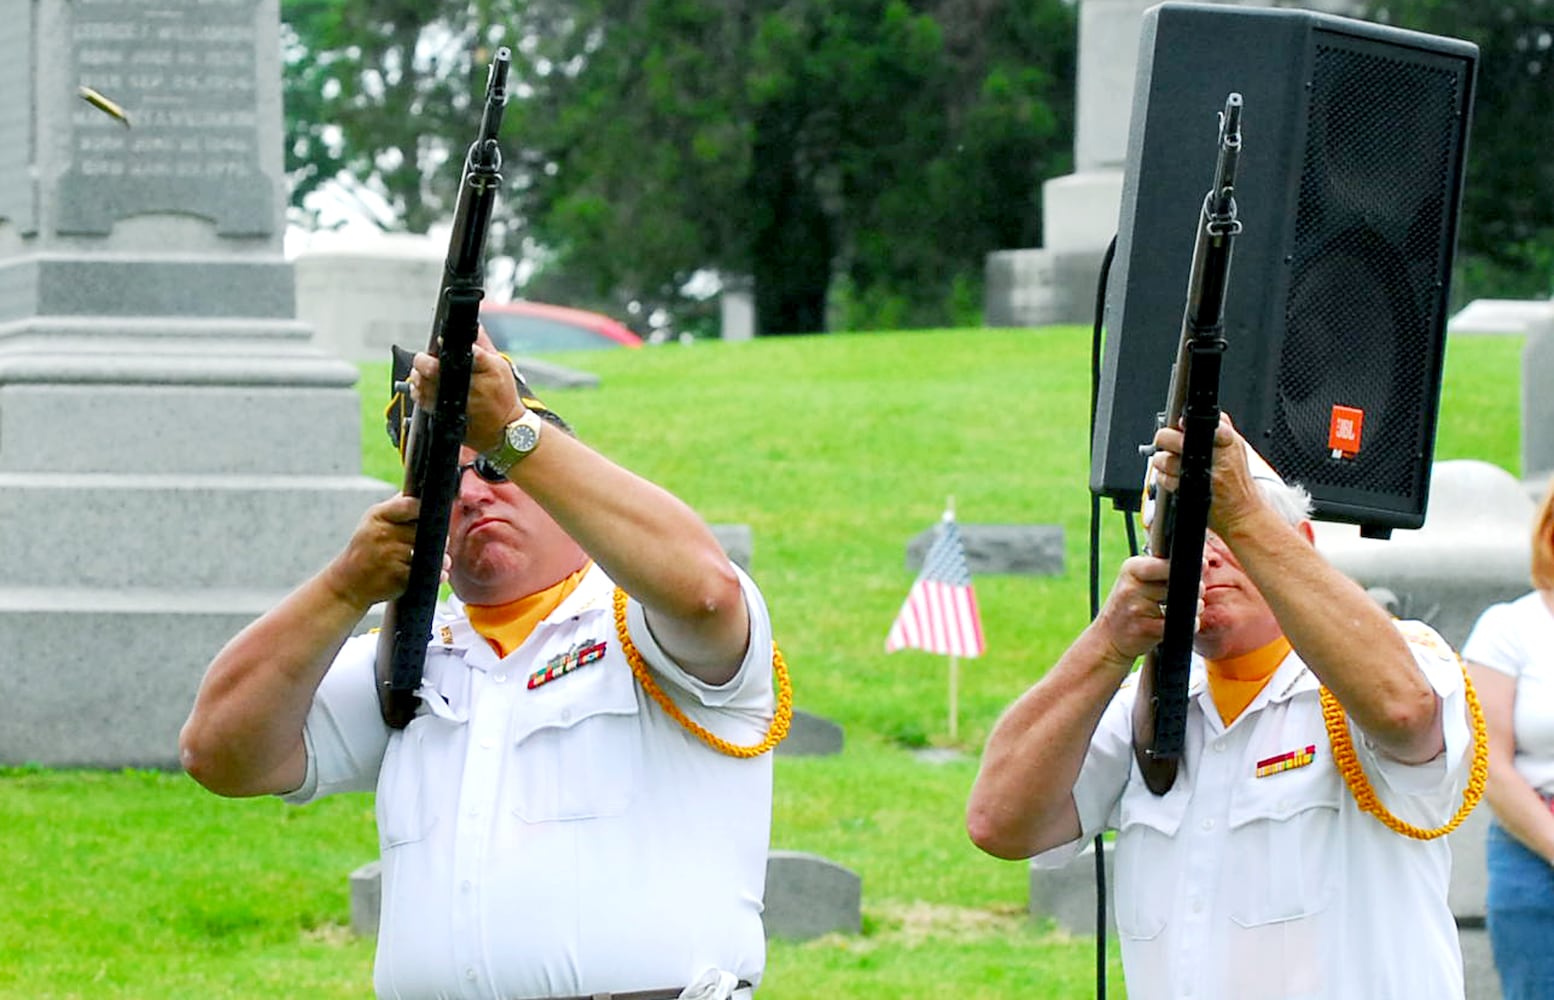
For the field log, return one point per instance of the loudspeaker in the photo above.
(1349, 185)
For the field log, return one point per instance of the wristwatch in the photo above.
(519, 438)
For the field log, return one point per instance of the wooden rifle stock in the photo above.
(431, 441)
(1179, 522)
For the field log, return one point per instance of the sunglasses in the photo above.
(484, 469)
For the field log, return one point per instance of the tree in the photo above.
(885, 143)
(878, 146)
(1506, 241)
(379, 95)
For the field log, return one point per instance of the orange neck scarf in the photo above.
(506, 626)
(1234, 682)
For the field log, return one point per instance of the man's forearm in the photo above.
(650, 543)
(1022, 802)
(1346, 638)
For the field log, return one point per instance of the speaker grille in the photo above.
(1364, 316)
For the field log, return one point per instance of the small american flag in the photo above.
(940, 613)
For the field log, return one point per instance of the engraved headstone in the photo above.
(177, 453)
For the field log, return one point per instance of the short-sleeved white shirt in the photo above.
(1517, 639)
(563, 838)
(1233, 886)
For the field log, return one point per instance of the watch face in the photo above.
(522, 437)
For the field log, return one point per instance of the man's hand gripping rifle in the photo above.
(429, 439)
(1180, 518)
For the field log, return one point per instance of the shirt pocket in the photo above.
(1283, 829)
(405, 809)
(577, 745)
(413, 784)
(1146, 827)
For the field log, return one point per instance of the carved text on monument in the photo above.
(186, 74)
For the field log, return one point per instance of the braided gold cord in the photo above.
(1348, 764)
(781, 720)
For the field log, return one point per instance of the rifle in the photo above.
(1180, 518)
(429, 439)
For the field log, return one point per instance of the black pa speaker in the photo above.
(1349, 185)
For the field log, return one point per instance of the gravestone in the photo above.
(1034, 549)
(366, 885)
(1538, 402)
(811, 736)
(1067, 895)
(738, 543)
(1473, 550)
(176, 452)
(807, 896)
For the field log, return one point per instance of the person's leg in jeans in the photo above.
(1520, 918)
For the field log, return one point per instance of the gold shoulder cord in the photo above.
(781, 720)
(1348, 764)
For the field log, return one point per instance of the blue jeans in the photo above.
(1520, 917)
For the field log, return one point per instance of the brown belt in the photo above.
(668, 994)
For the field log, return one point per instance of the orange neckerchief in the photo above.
(506, 626)
(1234, 682)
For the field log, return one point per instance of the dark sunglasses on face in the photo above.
(483, 469)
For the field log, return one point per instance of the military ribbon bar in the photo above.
(579, 655)
(1287, 761)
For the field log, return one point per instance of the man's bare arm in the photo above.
(244, 735)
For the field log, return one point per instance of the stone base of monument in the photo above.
(163, 483)
(1473, 550)
(806, 896)
(1039, 287)
(104, 678)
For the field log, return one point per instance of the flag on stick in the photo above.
(940, 613)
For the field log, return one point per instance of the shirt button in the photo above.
(500, 678)
(469, 974)
(1197, 905)
(1208, 824)
(487, 743)
(466, 885)
(566, 715)
(1219, 746)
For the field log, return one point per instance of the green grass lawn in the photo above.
(836, 450)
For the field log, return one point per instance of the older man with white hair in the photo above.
(1260, 873)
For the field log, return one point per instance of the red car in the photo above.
(520, 328)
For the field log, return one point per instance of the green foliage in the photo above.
(381, 95)
(837, 451)
(795, 142)
(1508, 205)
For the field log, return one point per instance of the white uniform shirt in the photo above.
(563, 838)
(1517, 639)
(1238, 887)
